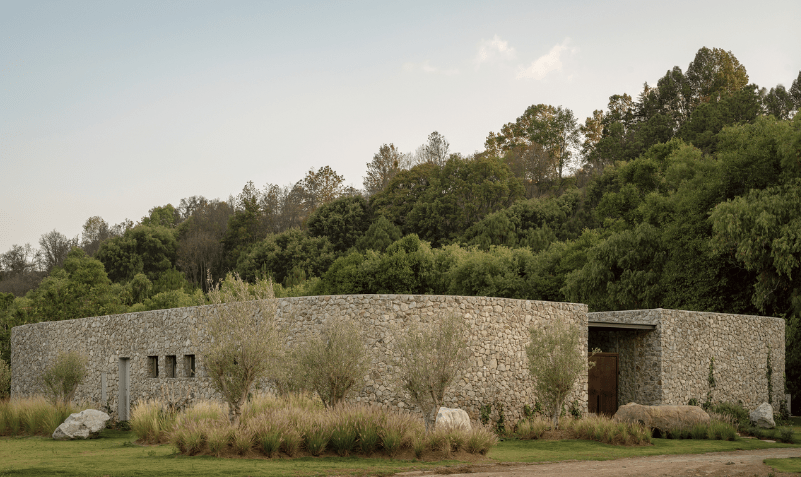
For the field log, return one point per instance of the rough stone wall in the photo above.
(496, 372)
(684, 341)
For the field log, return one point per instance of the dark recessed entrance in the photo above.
(603, 384)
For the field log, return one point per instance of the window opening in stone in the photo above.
(153, 366)
(170, 364)
(189, 365)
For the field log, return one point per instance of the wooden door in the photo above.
(603, 384)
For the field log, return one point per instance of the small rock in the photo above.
(82, 425)
(449, 417)
(763, 416)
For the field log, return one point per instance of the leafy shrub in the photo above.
(62, 378)
(735, 411)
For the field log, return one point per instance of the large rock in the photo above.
(82, 425)
(448, 417)
(763, 416)
(663, 418)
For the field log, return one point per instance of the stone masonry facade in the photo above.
(496, 372)
(670, 364)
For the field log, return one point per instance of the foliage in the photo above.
(343, 221)
(386, 163)
(555, 361)
(146, 249)
(5, 380)
(65, 373)
(241, 342)
(430, 357)
(278, 254)
(380, 235)
(461, 193)
(333, 361)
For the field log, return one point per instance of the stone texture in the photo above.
(662, 417)
(496, 370)
(762, 416)
(451, 418)
(82, 425)
(670, 365)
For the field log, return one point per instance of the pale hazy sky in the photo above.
(110, 108)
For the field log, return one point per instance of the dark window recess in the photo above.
(169, 362)
(189, 365)
(153, 366)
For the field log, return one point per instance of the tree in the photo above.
(278, 254)
(779, 102)
(385, 165)
(430, 358)
(65, 374)
(80, 289)
(381, 234)
(151, 250)
(343, 221)
(200, 250)
(554, 128)
(321, 187)
(403, 192)
(241, 343)
(462, 193)
(19, 260)
(95, 231)
(555, 360)
(435, 151)
(334, 360)
(713, 73)
(54, 249)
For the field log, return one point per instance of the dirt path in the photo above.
(735, 463)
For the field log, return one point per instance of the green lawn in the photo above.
(115, 455)
(792, 464)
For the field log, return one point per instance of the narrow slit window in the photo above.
(153, 366)
(189, 365)
(170, 365)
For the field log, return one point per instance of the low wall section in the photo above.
(496, 371)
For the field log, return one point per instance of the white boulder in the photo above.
(82, 425)
(763, 416)
(449, 417)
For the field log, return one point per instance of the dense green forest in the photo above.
(687, 197)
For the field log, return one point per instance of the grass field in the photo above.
(115, 454)
(792, 464)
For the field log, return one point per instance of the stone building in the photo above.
(649, 356)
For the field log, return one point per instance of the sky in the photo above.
(111, 108)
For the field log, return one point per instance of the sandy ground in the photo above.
(736, 463)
